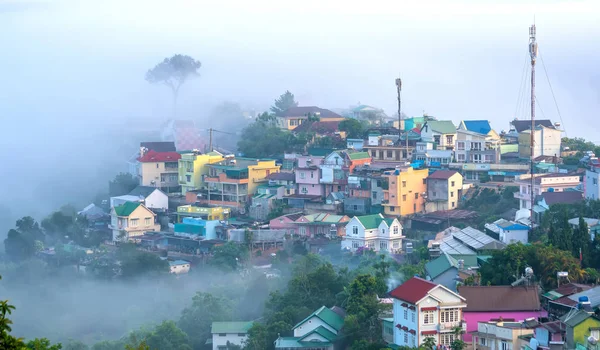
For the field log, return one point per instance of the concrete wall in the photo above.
(473, 317)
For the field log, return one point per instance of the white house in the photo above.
(318, 331)
(374, 232)
(234, 333)
(441, 132)
(152, 197)
(179, 267)
(509, 231)
(591, 185)
(424, 309)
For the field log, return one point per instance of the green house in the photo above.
(318, 331)
(580, 325)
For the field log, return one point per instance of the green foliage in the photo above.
(168, 336)
(578, 144)
(362, 313)
(122, 184)
(135, 263)
(428, 344)
(196, 320)
(229, 256)
(334, 142)
(20, 243)
(42, 344)
(284, 102)
(458, 343)
(354, 129)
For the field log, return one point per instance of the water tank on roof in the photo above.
(551, 189)
(584, 299)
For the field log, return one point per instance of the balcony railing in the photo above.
(519, 195)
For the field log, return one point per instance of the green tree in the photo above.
(122, 184)
(458, 343)
(20, 243)
(168, 336)
(581, 242)
(428, 344)
(140, 263)
(229, 256)
(258, 337)
(174, 72)
(284, 102)
(363, 310)
(263, 138)
(353, 128)
(196, 320)
(42, 344)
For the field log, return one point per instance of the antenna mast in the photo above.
(533, 50)
(401, 125)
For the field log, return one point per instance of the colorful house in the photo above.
(444, 190)
(404, 195)
(294, 116)
(212, 213)
(318, 331)
(501, 334)
(443, 270)
(373, 232)
(192, 168)
(131, 220)
(322, 224)
(159, 169)
(441, 132)
(424, 309)
(486, 303)
(580, 325)
(197, 228)
(308, 175)
(286, 222)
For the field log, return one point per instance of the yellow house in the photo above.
(404, 195)
(292, 117)
(580, 325)
(192, 166)
(258, 173)
(213, 213)
(131, 220)
(444, 188)
(159, 169)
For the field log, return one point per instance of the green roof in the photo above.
(372, 221)
(323, 218)
(442, 126)
(440, 265)
(322, 331)
(291, 342)
(359, 155)
(552, 295)
(231, 327)
(126, 208)
(574, 320)
(325, 314)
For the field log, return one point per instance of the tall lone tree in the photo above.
(284, 102)
(174, 72)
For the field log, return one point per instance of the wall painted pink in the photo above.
(473, 317)
(283, 223)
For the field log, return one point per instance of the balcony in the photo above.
(519, 195)
(451, 326)
(222, 178)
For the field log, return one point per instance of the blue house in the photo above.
(194, 227)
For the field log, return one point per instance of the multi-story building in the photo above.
(292, 117)
(334, 172)
(444, 189)
(406, 187)
(192, 167)
(134, 164)
(546, 142)
(441, 132)
(229, 333)
(423, 309)
(321, 224)
(231, 182)
(543, 183)
(160, 169)
(130, 220)
(389, 148)
(476, 142)
(498, 335)
(591, 183)
(373, 232)
(308, 175)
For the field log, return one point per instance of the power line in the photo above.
(553, 96)
(521, 87)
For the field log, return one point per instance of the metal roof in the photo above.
(453, 247)
(476, 239)
(593, 294)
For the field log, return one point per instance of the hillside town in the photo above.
(472, 235)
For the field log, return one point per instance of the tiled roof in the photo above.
(153, 156)
(231, 327)
(554, 327)
(372, 221)
(126, 208)
(283, 176)
(522, 125)
(563, 197)
(500, 298)
(159, 146)
(359, 155)
(440, 265)
(478, 126)
(303, 111)
(326, 315)
(320, 127)
(412, 290)
(323, 218)
(442, 174)
(441, 126)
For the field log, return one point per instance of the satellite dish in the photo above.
(528, 271)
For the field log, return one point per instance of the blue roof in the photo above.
(480, 126)
(178, 262)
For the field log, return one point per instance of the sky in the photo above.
(73, 71)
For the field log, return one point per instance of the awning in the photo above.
(428, 332)
(404, 305)
(429, 308)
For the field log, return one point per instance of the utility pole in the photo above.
(210, 146)
(401, 125)
(533, 50)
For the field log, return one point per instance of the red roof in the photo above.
(417, 130)
(413, 290)
(442, 174)
(153, 156)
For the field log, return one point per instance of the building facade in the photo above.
(160, 169)
(131, 220)
(543, 183)
(373, 232)
(444, 190)
(226, 333)
(591, 183)
(546, 142)
(192, 167)
(406, 187)
(442, 133)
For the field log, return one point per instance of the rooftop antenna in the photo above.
(533, 50)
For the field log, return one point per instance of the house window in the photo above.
(374, 195)
(476, 146)
(355, 207)
(412, 316)
(390, 154)
(434, 194)
(302, 175)
(450, 315)
(436, 139)
(477, 158)
(395, 230)
(425, 181)
(148, 222)
(460, 157)
(449, 139)
(354, 230)
(392, 208)
(241, 334)
(505, 346)
(371, 244)
(482, 341)
(405, 337)
(428, 317)
(188, 178)
(404, 198)
(453, 205)
(446, 339)
(417, 195)
(396, 244)
(312, 174)
(452, 194)
(405, 314)
(412, 340)
(374, 153)
(595, 181)
(403, 183)
(354, 244)
(460, 145)
(134, 222)
(156, 165)
(489, 158)
(222, 334)
(383, 246)
(383, 231)
(452, 183)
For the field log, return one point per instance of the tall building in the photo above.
(404, 195)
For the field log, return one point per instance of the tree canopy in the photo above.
(284, 102)
(354, 128)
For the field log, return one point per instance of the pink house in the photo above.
(286, 222)
(308, 174)
(485, 303)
